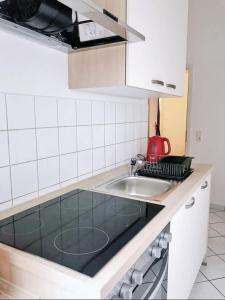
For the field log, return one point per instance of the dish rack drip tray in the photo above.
(175, 168)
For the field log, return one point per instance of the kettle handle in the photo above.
(165, 140)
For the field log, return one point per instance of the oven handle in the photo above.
(157, 284)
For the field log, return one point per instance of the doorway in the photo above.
(170, 115)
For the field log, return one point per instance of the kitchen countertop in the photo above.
(107, 277)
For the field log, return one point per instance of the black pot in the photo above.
(50, 16)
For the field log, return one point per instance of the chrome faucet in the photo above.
(137, 164)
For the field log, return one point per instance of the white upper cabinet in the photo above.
(153, 67)
(161, 59)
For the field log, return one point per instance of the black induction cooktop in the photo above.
(81, 230)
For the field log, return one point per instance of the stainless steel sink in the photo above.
(137, 186)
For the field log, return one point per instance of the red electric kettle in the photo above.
(157, 148)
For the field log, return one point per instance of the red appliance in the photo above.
(158, 147)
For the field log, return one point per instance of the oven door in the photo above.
(155, 281)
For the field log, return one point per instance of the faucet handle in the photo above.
(133, 161)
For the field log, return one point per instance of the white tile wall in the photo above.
(47, 143)
(20, 111)
(4, 149)
(46, 112)
(3, 122)
(22, 145)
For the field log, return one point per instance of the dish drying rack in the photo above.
(175, 168)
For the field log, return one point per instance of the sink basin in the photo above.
(137, 186)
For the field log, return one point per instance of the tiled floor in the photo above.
(210, 283)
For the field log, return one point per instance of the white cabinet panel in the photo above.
(189, 228)
(162, 56)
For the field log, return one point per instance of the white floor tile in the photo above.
(215, 268)
(205, 290)
(219, 227)
(213, 218)
(221, 214)
(200, 278)
(220, 285)
(210, 253)
(213, 210)
(222, 257)
(217, 245)
(213, 233)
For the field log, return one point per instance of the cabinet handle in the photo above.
(159, 82)
(205, 186)
(171, 86)
(188, 206)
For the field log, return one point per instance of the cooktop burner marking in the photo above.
(81, 241)
(28, 229)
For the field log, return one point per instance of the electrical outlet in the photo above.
(198, 136)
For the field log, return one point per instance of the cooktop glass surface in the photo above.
(81, 230)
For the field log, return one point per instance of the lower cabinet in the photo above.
(189, 229)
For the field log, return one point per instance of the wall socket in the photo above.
(198, 136)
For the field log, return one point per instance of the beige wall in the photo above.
(173, 120)
(206, 60)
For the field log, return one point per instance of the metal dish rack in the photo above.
(170, 167)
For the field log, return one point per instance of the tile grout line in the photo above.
(36, 145)
(9, 153)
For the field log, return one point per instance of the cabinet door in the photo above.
(188, 248)
(162, 57)
(175, 45)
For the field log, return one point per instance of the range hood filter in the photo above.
(66, 25)
(49, 16)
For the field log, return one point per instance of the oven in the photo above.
(147, 279)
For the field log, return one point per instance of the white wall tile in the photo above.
(130, 131)
(84, 114)
(110, 134)
(3, 122)
(110, 155)
(110, 113)
(47, 142)
(144, 146)
(98, 133)
(84, 162)
(144, 130)
(138, 113)
(67, 115)
(50, 189)
(98, 112)
(5, 185)
(67, 140)
(24, 179)
(68, 167)
(144, 112)
(4, 149)
(22, 146)
(46, 112)
(120, 133)
(137, 131)
(84, 138)
(48, 170)
(120, 113)
(20, 112)
(98, 159)
(130, 112)
(120, 153)
(129, 150)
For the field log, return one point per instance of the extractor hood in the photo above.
(67, 25)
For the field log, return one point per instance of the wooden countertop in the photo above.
(79, 285)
